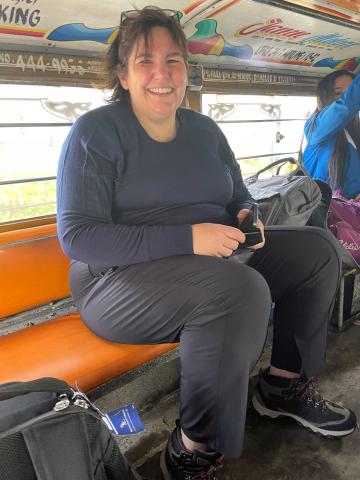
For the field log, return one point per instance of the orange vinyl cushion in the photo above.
(33, 269)
(33, 272)
(65, 348)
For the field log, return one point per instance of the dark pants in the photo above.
(219, 310)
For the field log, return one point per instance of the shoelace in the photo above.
(307, 391)
(198, 473)
(208, 475)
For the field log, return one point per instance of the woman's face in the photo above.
(156, 77)
(341, 84)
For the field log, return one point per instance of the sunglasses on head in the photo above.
(132, 14)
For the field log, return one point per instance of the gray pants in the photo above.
(219, 310)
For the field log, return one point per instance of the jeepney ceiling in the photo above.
(346, 9)
(238, 34)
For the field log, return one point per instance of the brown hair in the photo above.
(130, 30)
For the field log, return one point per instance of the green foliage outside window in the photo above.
(26, 200)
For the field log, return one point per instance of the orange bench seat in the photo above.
(65, 348)
(33, 269)
(33, 272)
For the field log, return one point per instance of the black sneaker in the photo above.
(177, 463)
(276, 397)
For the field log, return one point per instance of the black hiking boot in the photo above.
(177, 463)
(276, 397)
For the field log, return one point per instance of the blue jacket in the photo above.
(321, 139)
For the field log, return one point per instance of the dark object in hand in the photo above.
(251, 230)
(252, 238)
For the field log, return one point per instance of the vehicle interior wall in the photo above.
(303, 38)
(51, 71)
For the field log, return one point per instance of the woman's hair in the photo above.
(138, 25)
(337, 162)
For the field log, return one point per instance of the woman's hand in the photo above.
(216, 240)
(357, 198)
(241, 215)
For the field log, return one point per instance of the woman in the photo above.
(332, 153)
(149, 199)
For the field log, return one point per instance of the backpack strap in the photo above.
(60, 449)
(46, 384)
(283, 161)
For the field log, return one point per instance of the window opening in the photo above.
(260, 128)
(34, 122)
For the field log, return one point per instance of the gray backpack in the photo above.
(287, 199)
(48, 431)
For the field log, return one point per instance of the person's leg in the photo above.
(217, 309)
(302, 268)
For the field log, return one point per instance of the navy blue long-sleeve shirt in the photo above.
(124, 198)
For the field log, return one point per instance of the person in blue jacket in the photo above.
(332, 153)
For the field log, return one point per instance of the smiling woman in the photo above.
(150, 209)
(156, 79)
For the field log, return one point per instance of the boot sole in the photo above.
(263, 411)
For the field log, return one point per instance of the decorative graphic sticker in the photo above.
(223, 32)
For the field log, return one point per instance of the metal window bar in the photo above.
(30, 125)
(43, 179)
(23, 207)
(267, 155)
(263, 121)
(68, 124)
(26, 180)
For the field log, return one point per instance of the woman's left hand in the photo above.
(241, 215)
(357, 198)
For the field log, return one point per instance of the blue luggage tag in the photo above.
(124, 421)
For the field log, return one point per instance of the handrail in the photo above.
(43, 124)
(26, 180)
(12, 208)
(262, 121)
(266, 155)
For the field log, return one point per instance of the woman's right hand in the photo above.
(216, 240)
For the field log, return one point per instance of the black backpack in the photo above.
(287, 199)
(48, 431)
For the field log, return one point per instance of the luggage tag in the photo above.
(122, 421)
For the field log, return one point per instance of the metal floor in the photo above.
(282, 450)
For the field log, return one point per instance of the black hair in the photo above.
(337, 161)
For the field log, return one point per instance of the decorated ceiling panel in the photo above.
(345, 9)
(251, 34)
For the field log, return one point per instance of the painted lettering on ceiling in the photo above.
(55, 64)
(28, 2)
(216, 74)
(285, 55)
(271, 28)
(24, 15)
(333, 40)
